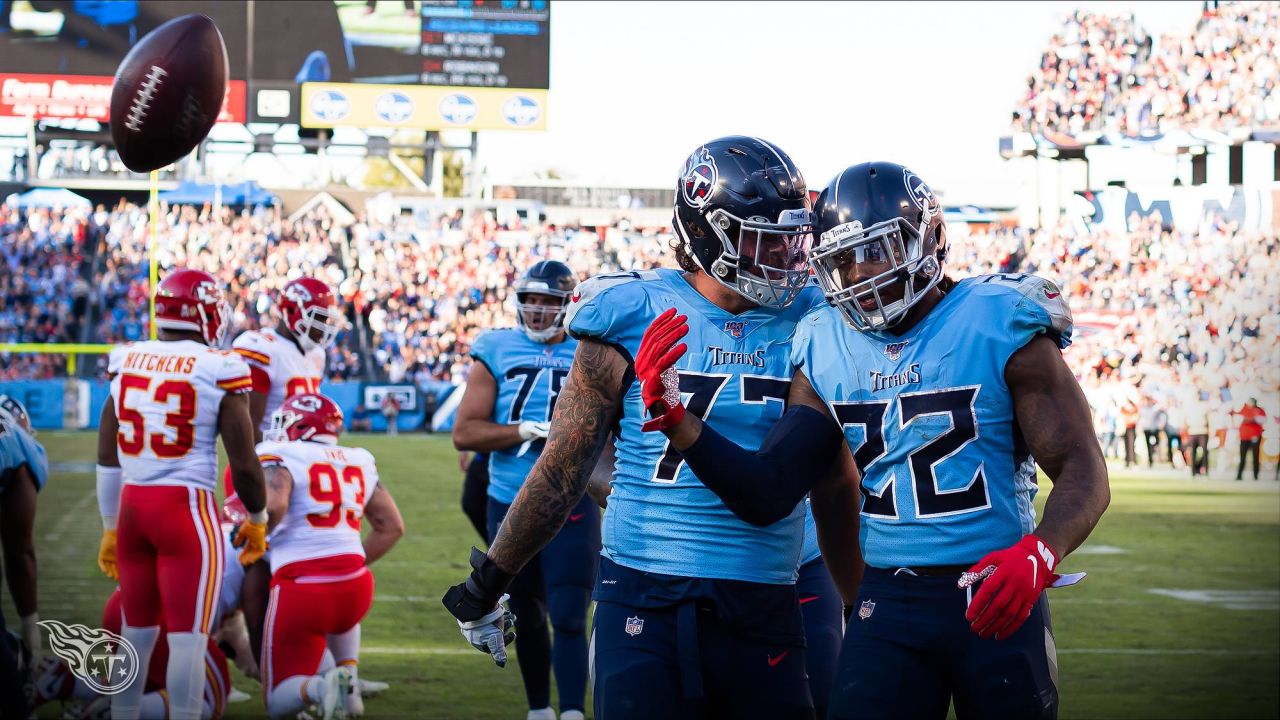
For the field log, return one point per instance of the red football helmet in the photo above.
(310, 311)
(192, 300)
(309, 416)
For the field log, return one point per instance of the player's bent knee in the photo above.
(568, 609)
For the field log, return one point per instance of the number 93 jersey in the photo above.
(735, 375)
(331, 485)
(946, 477)
(167, 396)
(529, 376)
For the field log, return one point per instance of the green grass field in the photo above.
(1179, 618)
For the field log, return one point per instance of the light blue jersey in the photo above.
(735, 375)
(946, 477)
(529, 376)
(18, 448)
(809, 551)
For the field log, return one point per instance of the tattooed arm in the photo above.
(588, 406)
(1054, 419)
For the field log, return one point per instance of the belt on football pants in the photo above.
(687, 651)
(932, 570)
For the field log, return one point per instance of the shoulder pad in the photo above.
(589, 316)
(1036, 296)
(588, 291)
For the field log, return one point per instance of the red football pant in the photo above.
(311, 600)
(170, 557)
(217, 674)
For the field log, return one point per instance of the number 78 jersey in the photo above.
(331, 486)
(946, 476)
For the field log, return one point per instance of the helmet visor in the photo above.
(865, 271)
(771, 257)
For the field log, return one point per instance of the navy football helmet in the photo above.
(881, 243)
(542, 322)
(742, 213)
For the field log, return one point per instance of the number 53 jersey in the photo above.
(735, 375)
(331, 485)
(529, 376)
(167, 396)
(946, 476)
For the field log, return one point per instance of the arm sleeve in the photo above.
(763, 487)
(484, 350)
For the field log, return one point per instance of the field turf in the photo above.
(1179, 617)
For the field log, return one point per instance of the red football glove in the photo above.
(1014, 579)
(655, 367)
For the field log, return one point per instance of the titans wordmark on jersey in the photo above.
(735, 375)
(946, 477)
(529, 376)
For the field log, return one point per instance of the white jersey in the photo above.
(280, 369)
(331, 485)
(167, 396)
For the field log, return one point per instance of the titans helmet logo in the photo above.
(698, 183)
(921, 194)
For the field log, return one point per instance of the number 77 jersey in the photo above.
(166, 395)
(331, 485)
(735, 375)
(946, 475)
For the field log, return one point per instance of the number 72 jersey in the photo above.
(946, 476)
(331, 485)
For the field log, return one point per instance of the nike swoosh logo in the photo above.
(773, 661)
(809, 599)
(1051, 295)
(1035, 571)
(576, 518)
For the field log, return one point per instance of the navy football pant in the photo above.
(557, 584)
(909, 652)
(475, 494)
(670, 648)
(821, 606)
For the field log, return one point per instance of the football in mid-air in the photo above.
(168, 92)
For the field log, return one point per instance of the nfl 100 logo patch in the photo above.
(735, 328)
(893, 351)
(635, 626)
(867, 608)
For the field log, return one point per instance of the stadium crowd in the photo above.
(1105, 73)
(43, 296)
(1176, 329)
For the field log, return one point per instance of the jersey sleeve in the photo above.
(232, 374)
(1041, 309)
(251, 347)
(604, 306)
(115, 360)
(37, 460)
(485, 351)
(371, 479)
(269, 454)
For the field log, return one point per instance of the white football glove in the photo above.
(530, 430)
(492, 633)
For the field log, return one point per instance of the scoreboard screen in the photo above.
(486, 44)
